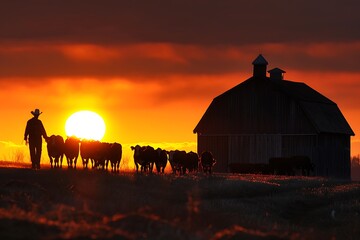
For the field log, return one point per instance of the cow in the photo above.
(150, 156)
(86, 153)
(177, 159)
(138, 158)
(304, 164)
(207, 161)
(114, 155)
(55, 148)
(291, 165)
(145, 157)
(161, 160)
(191, 162)
(71, 151)
(101, 154)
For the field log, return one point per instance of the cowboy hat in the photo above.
(36, 112)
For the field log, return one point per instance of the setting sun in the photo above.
(85, 125)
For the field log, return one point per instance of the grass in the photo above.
(54, 203)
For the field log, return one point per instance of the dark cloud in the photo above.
(166, 60)
(233, 22)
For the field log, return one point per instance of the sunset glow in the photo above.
(85, 125)
(151, 75)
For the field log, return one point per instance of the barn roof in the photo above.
(323, 114)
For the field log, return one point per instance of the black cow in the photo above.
(145, 157)
(86, 153)
(138, 158)
(304, 164)
(55, 148)
(207, 161)
(100, 153)
(191, 162)
(71, 150)
(290, 165)
(177, 159)
(161, 160)
(114, 155)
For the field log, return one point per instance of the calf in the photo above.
(55, 148)
(207, 161)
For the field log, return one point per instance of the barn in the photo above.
(266, 116)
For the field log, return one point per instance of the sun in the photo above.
(85, 125)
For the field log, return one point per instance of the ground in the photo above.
(83, 204)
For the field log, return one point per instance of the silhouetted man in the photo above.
(33, 132)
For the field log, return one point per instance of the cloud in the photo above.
(151, 60)
(229, 22)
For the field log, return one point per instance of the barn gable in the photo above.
(265, 117)
(263, 105)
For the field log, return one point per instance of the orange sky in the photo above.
(151, 74)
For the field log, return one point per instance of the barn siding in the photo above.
(334, 156)
(256, 148)
(300, 145)
(253, 148)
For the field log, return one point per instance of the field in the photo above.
(79, 204)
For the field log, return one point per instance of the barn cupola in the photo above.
(276, 74)
(260, 65)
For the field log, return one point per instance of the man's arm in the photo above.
(43, 131)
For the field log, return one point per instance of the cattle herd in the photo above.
(100, 154)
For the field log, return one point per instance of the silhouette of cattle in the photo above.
(177, 159)
(114, 155)
(71, 151)
(291, 165)
(182, 162)
(100, 152)
(161, 160)
(55, 148)
(145, 157)
(191, 163)
(207, 161)
(86, 153)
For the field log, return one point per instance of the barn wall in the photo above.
(334, 156)
(301, 145)
(254, 148)
(257, 148)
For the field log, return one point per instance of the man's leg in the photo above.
(32, 154)
(38, 155)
